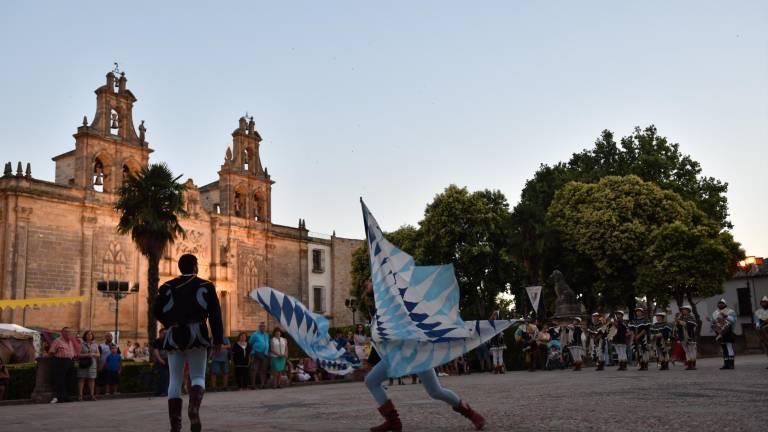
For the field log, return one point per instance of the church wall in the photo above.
(342, 279)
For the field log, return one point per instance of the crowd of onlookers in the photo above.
(260, 360)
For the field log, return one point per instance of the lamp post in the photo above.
(351, 304)
(117, 290)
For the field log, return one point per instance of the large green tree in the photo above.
(150, 204)
(642, 240)
(406, 238)
(643, 153)
(472, 230)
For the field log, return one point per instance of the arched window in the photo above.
(239, 205)
(114, 122)
(98, 175)
(256, 207)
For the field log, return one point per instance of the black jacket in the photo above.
(184, 305)
(240, 355)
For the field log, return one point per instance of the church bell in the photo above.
(114, 121)
(99, 179)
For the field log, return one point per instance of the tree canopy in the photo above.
(471, 230)
(644, 154)
(150, 204)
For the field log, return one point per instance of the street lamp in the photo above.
(748, 265)
(117, 290)
(351, 304)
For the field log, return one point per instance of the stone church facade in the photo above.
(59, 238)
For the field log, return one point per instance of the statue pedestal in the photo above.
(43, 391)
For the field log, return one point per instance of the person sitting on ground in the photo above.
(114, 367)
(309, 365)
(5, 378)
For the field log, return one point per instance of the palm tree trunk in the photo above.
(153, 279)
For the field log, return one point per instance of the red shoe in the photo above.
(391, 419)
(473, 416)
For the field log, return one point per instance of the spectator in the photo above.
(63, 351)
(87, 365)
(104, 349)
(259, 342)
(5, 378)
(361, 341)
(146, 352)
(138, 353)
(278, 351)
(241, 357)
(310, 367)
(129, 354)
(160, 365)
(341, 342)
(301, 374)
(483, 354)
(220, 364)
(463, 365)
(113, 367)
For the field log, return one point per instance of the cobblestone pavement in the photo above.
(704, 400)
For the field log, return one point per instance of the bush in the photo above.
(22, 382)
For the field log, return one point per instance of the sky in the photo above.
(394, 101)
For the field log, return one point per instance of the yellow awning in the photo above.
(32, 302)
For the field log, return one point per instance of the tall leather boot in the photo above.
(195, 399)
(693, 364)
(622, 366)
(664, 366)
(600, 366)
(174, 413)
(391, 419)
(577, 366)
(473, 416)
(725, 364)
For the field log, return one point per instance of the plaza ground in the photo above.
(703, 400)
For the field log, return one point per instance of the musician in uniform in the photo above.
(571, 337)
(761, 323)
(598, 336)
(661, 335)
(685, 331)
(619, 339)
(526, 335)
(723, 320)
(641, 327)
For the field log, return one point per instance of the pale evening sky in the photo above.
(393, 101)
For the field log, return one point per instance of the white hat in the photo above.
(765, 298)
(596, 314)
(640, 308)
(660, 314)
(619, 312)
(722, 300)
(577, 319)
(686, 306)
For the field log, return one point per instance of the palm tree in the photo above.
(150, 204)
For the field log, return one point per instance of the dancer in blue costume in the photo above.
(415, 328)
(416, 325)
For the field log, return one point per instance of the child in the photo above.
(113, 367)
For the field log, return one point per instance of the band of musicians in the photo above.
(613, 340)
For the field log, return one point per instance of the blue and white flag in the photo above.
(309, 330)
(417, 324)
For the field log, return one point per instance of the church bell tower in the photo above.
(109, 147)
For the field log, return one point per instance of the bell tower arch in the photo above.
(109, 145)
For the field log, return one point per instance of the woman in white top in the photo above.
(278, 352)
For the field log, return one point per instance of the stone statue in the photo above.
(566, 304)
(142, 132)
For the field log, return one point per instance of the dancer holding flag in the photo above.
(416, 326)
